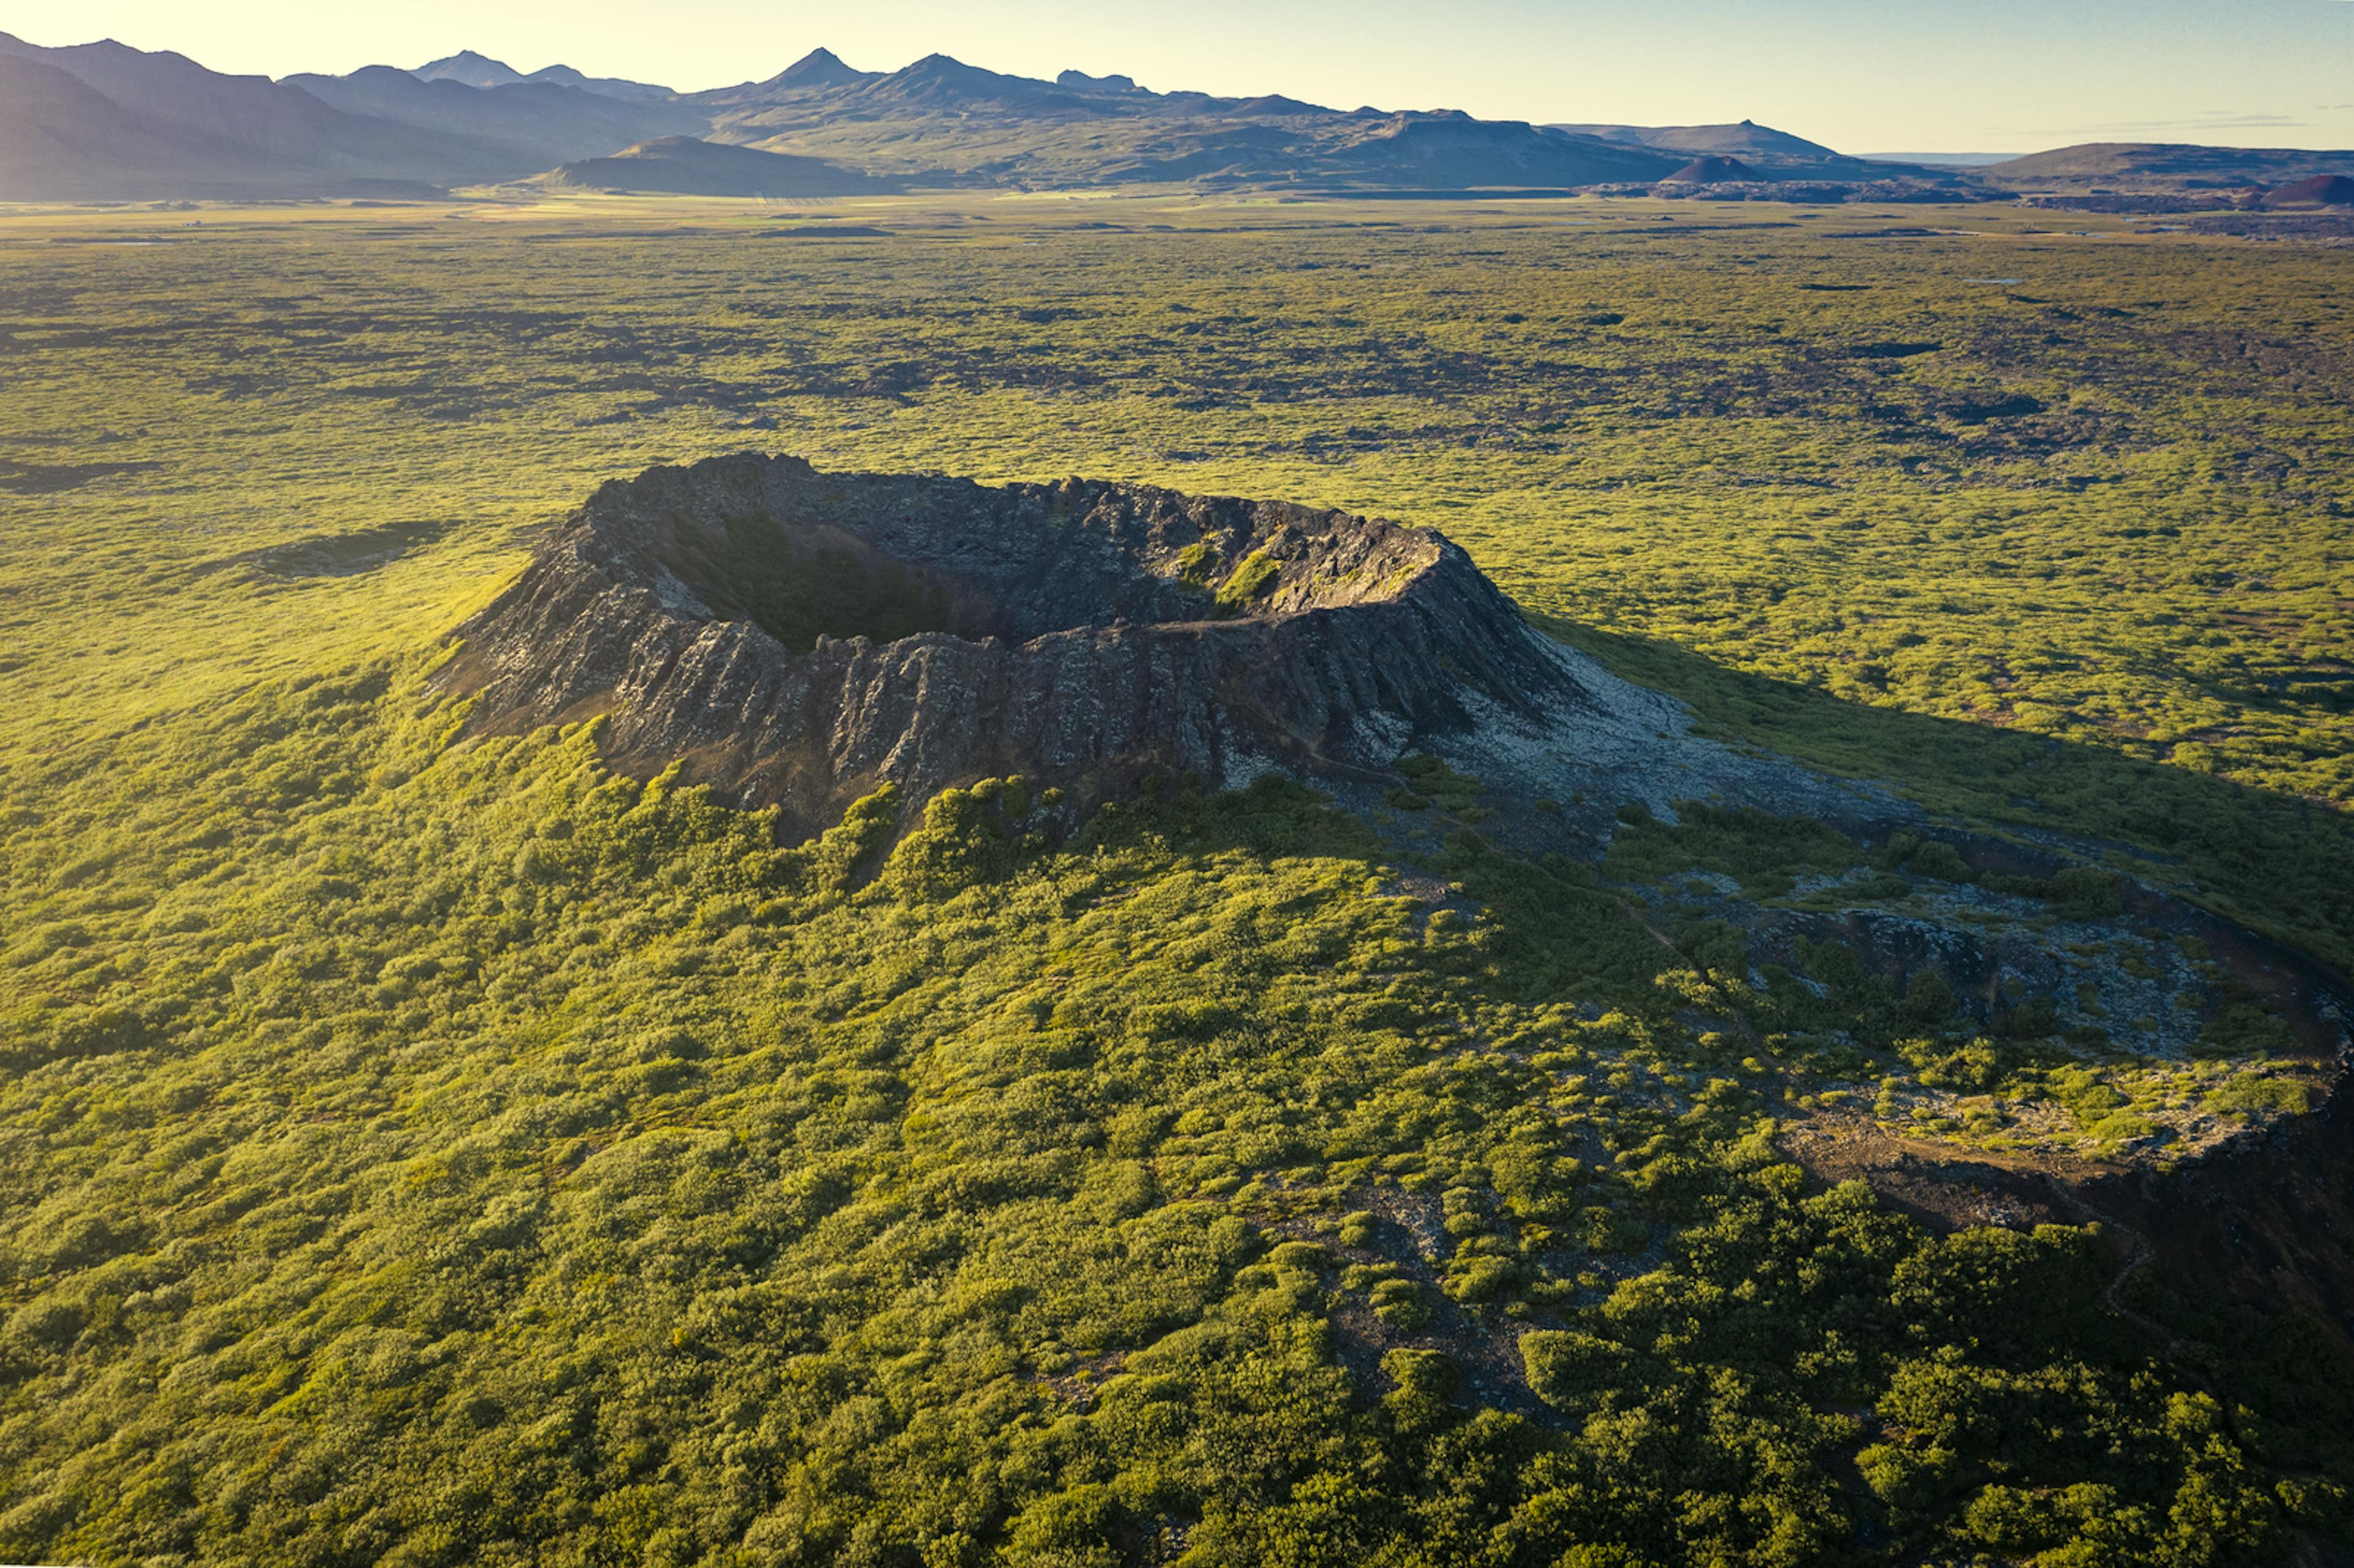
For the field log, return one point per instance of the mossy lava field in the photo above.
(682, 887)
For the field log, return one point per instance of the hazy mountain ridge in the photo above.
(471, 69)
(2169, 165)
(161, 125)
(940, 114)
(1746, 138)
(682, 165)
(540, 120)
(1764, 153)
(59, 136)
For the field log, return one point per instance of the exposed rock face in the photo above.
(800, 638)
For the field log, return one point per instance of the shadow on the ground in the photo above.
(2277, 864)
(2266, 1222)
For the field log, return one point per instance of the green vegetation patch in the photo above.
(1195, 561)
(1253, 574)
(1429, 782)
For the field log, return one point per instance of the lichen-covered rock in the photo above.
(798, 638)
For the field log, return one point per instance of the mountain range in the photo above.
(472, 69)
(106, 122)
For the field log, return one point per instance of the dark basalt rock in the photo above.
(800, 637)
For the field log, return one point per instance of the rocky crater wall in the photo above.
(800, 638)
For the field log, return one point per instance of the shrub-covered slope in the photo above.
(450, 1152)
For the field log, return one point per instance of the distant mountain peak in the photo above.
(818, 68)
(1276, 105)
(1744, 139)
(1714, 169)
(948, 68)
(1080, 81)
(945, 82)
(470, 67)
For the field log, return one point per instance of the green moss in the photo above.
(1253, 574)
(2254, 1092)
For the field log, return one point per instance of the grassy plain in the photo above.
(1798, 444)
(428, 1152)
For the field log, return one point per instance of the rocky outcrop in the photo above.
(800, 637)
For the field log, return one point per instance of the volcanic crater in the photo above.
(796, 639)
(800, 637)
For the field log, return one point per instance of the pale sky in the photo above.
(1865, 76)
